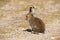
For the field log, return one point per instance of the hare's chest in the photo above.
(32, 24)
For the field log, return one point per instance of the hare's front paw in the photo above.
(34, 32)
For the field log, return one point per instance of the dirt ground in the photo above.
(12, 19)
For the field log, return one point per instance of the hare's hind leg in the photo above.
(34, 31)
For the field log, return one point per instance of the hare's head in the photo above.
(29, 16)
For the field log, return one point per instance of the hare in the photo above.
(37, 25)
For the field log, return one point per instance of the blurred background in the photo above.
(12, 18)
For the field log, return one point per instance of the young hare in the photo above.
(36, 24)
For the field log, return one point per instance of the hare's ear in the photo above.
(31, 10)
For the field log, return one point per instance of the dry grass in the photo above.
(12, 17)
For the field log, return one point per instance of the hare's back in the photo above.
(38, 21)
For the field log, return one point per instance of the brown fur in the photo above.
(36, 24)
